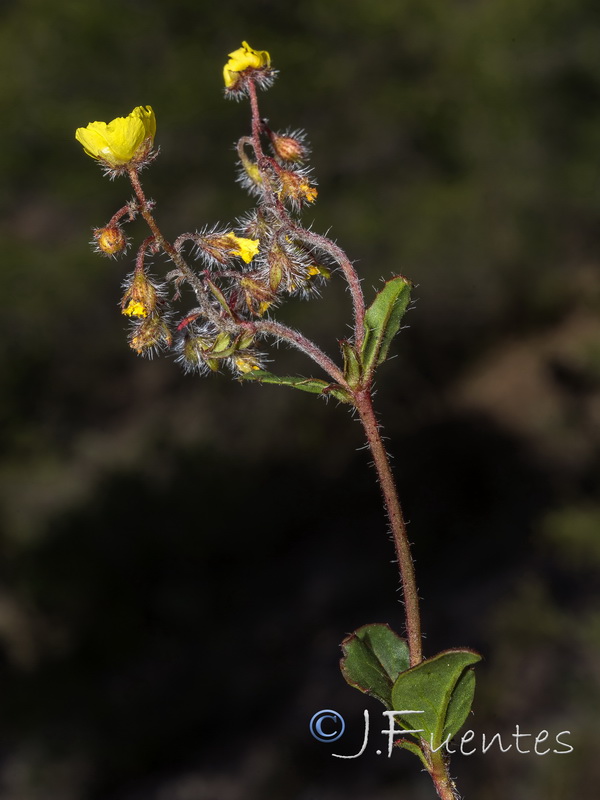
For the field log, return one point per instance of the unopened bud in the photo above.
(149, 335)
(288, 148)
(257, 295)
(110, 240)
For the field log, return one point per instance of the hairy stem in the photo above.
(352, 279)
(296, 339)
(440, 776)
(438, 768)
(364, 406)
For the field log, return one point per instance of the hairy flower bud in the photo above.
(110, 240)
(149, 335)
(256, 295)
(289, 147)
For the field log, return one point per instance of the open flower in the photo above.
(245, 57)
(246, 249)
(123, 141)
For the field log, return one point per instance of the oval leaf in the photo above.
(373, 658)
(442, 688)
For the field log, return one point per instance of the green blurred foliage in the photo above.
(173, 548)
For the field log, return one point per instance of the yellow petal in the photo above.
(119, 141)
(135, 309)
(246, 249)
(244, 58)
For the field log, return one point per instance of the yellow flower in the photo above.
(135, 309)
(246, 249)
(141, 296)
(121, 141)
(244, 58)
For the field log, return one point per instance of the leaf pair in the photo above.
(376, 661)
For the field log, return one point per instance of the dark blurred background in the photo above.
(181, 557)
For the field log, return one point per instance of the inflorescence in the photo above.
(241, 272)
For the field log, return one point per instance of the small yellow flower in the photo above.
(141, 296)
(246, 249)
(121, 141)
(241, 59)
(135, 309)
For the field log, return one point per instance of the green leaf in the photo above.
(352, 370)
(311, 385)
(460, 704)
(374, 656)
(222, 346)
(218, 294)
(382, 322)
(442, 688)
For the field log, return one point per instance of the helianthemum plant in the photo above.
(238, 276)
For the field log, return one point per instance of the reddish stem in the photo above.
(364, 406)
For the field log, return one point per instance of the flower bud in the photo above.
(257, 296)
(286, 267)
(149, 335)
(288, 148)
(110, 240)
